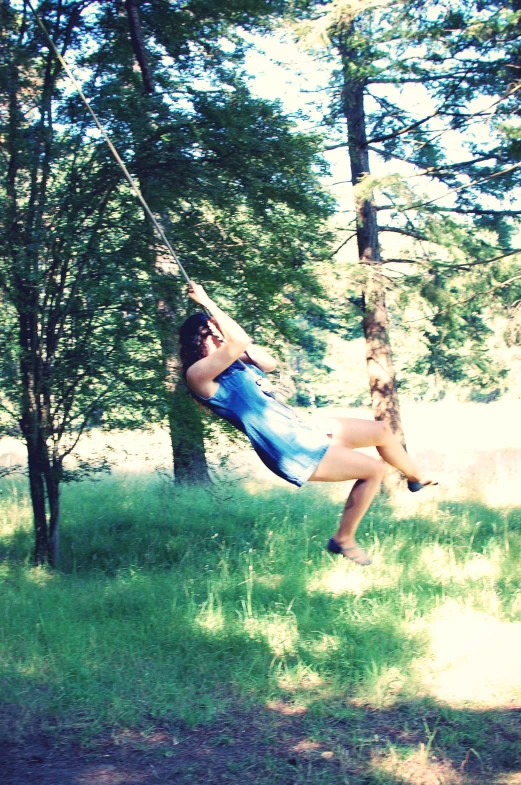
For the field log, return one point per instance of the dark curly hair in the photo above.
(192, 335)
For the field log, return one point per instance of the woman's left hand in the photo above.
(197, 293)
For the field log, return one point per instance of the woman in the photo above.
(225, 372)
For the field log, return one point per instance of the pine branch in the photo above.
(467, 300)
(402, 131)
(495, 259)
(452, 190)
(433, 170)
(414, 235)
(478, 211)
(344, 242)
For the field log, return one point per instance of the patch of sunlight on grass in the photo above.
(34, 668)
(473, 657)
(211, 617)
(272, 581)
(299, 677)
(288, 710)
(323, 645)
(509, 779)
(339, 579)
(15, 515)
(4, 571)
(280, 632)
(40, 576)
(406, 504)
(347, 578)
(439, 563)
(417, 768)
(381, 687)
(478, 567)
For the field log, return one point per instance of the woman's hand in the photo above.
(198, 294)
(259, 357)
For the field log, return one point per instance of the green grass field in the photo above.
(186, 610)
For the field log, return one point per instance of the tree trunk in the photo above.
(136, 37)
(184, 417)
(41, 476)
(382, 381)
(36, 485)
(52, 482)
(187, 435)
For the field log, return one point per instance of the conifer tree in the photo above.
(80, 278)
(383, 59)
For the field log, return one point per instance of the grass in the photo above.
(191, 609)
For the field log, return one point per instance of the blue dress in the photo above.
(289, 447)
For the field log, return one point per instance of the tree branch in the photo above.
(138, 45)
(344, 242)
(467, 300)
(414, 235)
(402, 131)
(433, 170)
(453, 190)
(477, 211)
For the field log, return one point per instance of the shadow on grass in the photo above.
(248, 720)
(237, 650)
(414, 743)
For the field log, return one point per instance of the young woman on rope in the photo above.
(225, 372)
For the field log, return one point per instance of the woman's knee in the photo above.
(385, 432)
(376, 471)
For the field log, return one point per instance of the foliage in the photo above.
(227, 173)
(439, 82)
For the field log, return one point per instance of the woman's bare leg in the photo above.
(341, 463)
(353, 433)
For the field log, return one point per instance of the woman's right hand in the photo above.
(197, 293)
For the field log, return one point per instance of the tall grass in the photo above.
(173, 603)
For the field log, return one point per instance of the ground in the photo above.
(275, 745)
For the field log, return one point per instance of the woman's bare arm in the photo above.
(201, 375)
(259, 357)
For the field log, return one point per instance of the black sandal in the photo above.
(414, 486)
(363, 559)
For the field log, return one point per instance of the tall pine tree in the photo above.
(82, 278)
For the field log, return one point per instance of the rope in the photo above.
(113, 150)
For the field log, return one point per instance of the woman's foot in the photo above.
(417, 485)
(353, 552)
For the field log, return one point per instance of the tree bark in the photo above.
(138, 45)
(33, 426)
(184, 418)
(37, 490)
(382, 382)
(187, 436)
(52, 482)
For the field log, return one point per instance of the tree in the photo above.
(231, 155)
(378, 55)
(82, 277)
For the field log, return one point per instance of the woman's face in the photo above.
(214, 339)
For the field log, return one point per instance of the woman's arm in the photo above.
(201, 375)
(259, 357)
(232, 332)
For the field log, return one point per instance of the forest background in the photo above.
(91, 302)
(169, 626)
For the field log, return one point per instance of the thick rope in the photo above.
(113, 150)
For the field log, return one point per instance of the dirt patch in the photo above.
(272, 746)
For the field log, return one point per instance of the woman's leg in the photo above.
(353, 433)
(341, 463)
